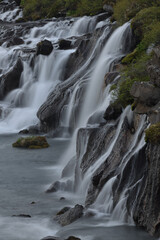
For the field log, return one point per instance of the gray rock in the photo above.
(71, 215)
(63, 210)
(108, 9)
(146, 93)
(147, 210)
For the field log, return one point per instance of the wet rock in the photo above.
(102, 17)
(24, 131)
(22, 215)
(146, 213)
(15, 41)
(44, 47)
(62, 198)
(113, 112)
(52, 238)
(54, 187)
(146, 93)
(63, 210)
(31, 130)
(58, 185)
(71, 215)
(37, 142)
(72, 238)
(11, 80)
(110, 77)
(64, 44)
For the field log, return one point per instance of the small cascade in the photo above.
(9, 12)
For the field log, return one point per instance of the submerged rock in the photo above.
(36, 142)
(73, 238)
(52, 238)
(22, 215)
(44, 47)
(71, 215)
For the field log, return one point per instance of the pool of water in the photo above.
(24, 177)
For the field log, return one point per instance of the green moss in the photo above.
(130, 57)
(152, 134)
(35, 142)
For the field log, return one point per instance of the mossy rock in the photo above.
(130, 57)
(35, 142)
(153, 134)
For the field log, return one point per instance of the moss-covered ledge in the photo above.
(34, 142)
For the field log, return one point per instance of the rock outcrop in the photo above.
(11, 80)
(147, 210)
(68, 216)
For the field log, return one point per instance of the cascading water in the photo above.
(84, 98)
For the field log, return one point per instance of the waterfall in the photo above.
(68, 86)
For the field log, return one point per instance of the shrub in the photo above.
(152, 134)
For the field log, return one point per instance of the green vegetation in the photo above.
(36, 9)
(153, 134)
(35, 142)
(146, 29)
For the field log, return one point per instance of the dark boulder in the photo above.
(73, 238)
(15, 41)
(64, 44)
(11, 80)
(113, 112)
(24, 131)
(44, 47)
(71, 215)
(22, 215)
(52, 238)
